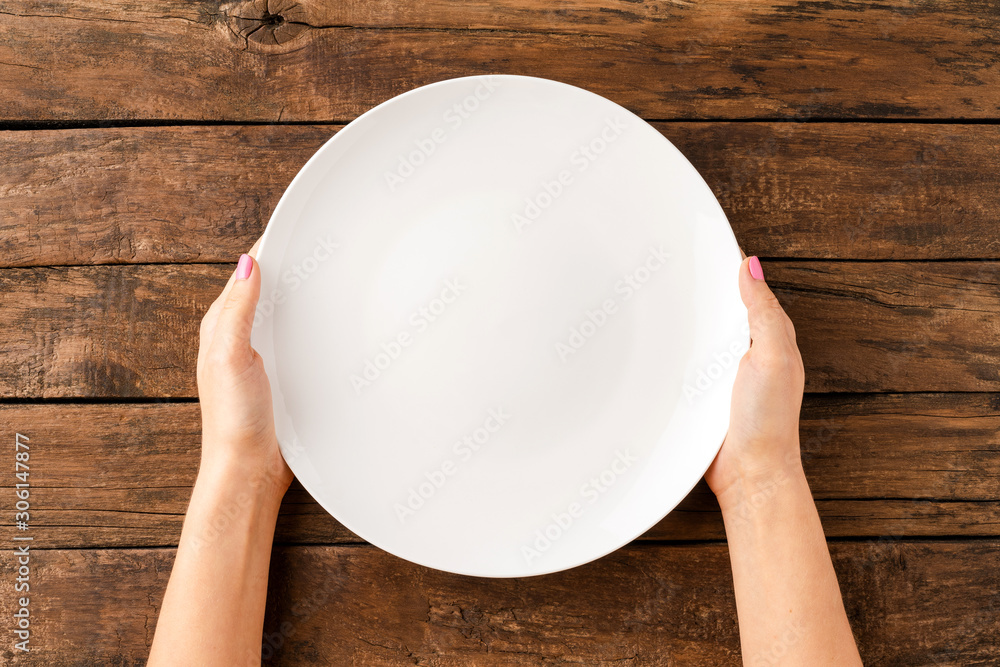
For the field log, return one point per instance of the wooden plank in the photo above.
(791, 190)
(910, 603)
(72, 518)
(104, 331)
(903, 446)
(894, 326)
(852, 190)
(77, 518)
(312, 60)
(128, 331)
(907, 465)
(177, 194)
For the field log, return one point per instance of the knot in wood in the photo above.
(265, 26)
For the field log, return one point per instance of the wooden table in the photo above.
(853, 145)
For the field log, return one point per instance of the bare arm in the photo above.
(787, 596)
(213, 609)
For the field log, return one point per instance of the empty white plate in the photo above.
(501, 321)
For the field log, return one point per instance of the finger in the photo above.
(232, 278)
(211, 316)
(765, 315)
(231, 336)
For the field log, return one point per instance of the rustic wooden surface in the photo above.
(131, 330)
(204, 61)
(792, 190)
(921, 465)
(656, 605)
(855, 146)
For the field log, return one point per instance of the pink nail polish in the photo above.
(755, 270)
(244, 268)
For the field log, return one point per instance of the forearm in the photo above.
(787, 597)
(213, 609)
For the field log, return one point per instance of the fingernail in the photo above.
(755, 270)
(244, 268)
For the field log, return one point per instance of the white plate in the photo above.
(501, 322)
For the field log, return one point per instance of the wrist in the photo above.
(755, 484)
(233, 476)
(757, 493)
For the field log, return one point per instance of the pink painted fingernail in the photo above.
(755, 270)
(244, 268)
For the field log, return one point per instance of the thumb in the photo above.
(232, 329)
(765, 315)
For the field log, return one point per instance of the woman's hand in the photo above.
(762, 445)
(213, 609)
(787, 596)
(236, 411)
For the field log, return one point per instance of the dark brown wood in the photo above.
(906, 465)
(331, 61)
(852, 190)
(791, 190)
(830, 206)
(894, 326)
(910, 603)
(177, 194)
(127, 331)
(124, 331)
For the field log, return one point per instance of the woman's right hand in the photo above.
(762, 445)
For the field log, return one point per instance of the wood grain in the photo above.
(104, 331)
(642, 605)
(313, 60)
(144, 195)
(905, 482)
(791, 190)
(122, 331)
(904, 465)
(894, 326)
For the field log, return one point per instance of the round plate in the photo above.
(501, 320)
